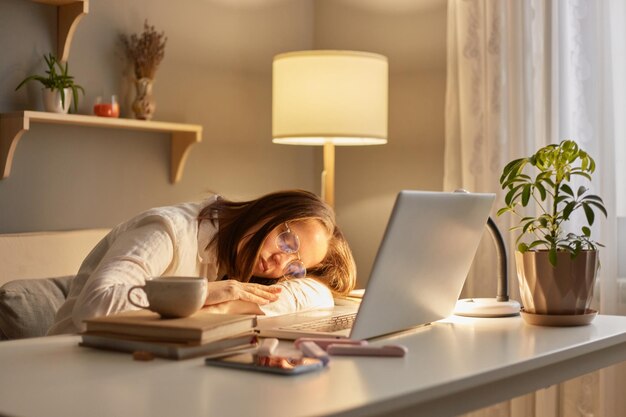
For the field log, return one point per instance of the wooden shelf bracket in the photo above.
(11, 130)
(69, 13)
(181, 142)
(68, 16)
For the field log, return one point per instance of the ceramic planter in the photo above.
(52, 100)
(566, 289)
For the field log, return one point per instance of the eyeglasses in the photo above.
(289, 243)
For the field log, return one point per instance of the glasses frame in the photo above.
(281, 238)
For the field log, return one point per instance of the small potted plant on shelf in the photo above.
(556, 269)
(59, 86)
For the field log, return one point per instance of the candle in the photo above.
(106, 109)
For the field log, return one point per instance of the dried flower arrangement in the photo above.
(145, 51)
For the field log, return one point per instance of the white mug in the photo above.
(173, 297)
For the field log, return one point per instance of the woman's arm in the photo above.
(299, 294)
(235, 307)
(230, 290)
(295, 295)
(135, 255)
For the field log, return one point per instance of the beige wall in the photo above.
(412, 35)
(217, 73)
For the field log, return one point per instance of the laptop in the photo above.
(417, 276)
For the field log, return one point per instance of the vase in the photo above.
(52, 100)
(143, 105)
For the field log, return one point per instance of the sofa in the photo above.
(36, 270)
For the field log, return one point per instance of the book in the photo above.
(170, 350)
(202, 327)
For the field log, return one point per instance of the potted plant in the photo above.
(59, 86)
(556, 269)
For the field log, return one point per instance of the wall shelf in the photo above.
(69, 12)
(13, 125)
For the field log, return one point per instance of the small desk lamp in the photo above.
(327, 98)
(501, 306)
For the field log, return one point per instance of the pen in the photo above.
(312, 350)
(323, 342)
(348, 350)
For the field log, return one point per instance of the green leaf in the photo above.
(510, 195)
(599, 207)
(567, 189)
(526, 195)
(528, 226)
(552, 256)
(584, 165)
(568, 210)
(503, 210)
(588, 213)
(586, 231)
(522, 247)
(593, 197)
(535, 244)
(592, 165)
(561, 198)
(512, 169)
(581, 190)
(542, 190)
(583, 174)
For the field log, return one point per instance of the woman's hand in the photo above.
(231, 290)
(234, 307)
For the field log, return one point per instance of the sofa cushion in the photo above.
(28, 306)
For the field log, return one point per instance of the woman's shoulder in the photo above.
(188, 210)
(176, 216)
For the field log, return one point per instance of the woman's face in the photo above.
(313, 239)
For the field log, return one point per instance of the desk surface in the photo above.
(453, 366)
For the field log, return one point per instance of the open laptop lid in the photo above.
(422, 262)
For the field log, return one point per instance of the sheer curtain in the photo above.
(522, 74)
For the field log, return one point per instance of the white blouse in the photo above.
(160, 242)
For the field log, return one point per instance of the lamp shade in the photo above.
(324, 96)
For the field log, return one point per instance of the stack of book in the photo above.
(203, 334)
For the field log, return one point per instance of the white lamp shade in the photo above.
(337, 97)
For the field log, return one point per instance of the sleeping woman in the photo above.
(277, 254)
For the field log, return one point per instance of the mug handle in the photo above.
(134, 287)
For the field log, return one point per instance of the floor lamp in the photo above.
(329, 98)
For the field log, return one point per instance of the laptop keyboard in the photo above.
(326, 324)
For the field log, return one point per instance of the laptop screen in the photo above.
(423, 259)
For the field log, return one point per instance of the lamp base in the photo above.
(486, 307)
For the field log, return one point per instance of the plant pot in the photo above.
(52, 100)
(561, 290)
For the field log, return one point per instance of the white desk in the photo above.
(453, 366)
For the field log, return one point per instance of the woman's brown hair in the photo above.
(337, 270)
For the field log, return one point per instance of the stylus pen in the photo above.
(323, 342)
(312, 350)
(387, 350)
